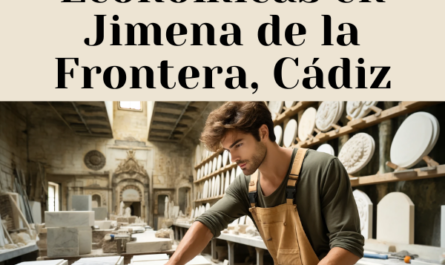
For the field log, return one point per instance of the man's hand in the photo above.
(339, 256)
(194, 241)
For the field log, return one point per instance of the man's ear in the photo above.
(264, 132)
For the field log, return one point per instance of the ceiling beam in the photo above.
(179, 118)
(81, 117)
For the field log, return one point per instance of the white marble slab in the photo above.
(395, 219)
(156, 245)
(199, 260)
(289, 104)
(219, 163)
(108, 260)
(151, 257)
(100, 213)
(81, 203)
(364, 206)
(36, 211)
(69, 219)
(45, 262)
(250, 241)
(63, 241)
(442, 227)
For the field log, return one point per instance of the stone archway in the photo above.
(131, 185)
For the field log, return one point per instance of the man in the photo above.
(301, 200)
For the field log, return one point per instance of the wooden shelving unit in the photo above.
(221, 170)
(209, 199)
(406, 175)
(404, 107)
(209, 158)
(301, 105)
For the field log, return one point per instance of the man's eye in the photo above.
(238, 145)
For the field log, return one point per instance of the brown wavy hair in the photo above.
(246, 116)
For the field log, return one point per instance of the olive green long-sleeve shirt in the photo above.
(326, 206)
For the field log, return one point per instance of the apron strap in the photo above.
(291, 188)
(291, 182)
(253, 194)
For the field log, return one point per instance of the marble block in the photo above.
(149, 257)
(36, 211)
(62, 241)
(278, 130)
(69, 219)
(156, 245)
(100, 213)
(326, 148)
(442, 227)
(85, 240)
(81, 203)
(364, 206)
(395, 219)
(45, 262)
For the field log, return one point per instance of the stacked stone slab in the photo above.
(71, 232)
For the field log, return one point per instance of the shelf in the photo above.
(221, 170)
(288, 113)
(404, 107)
(209, 199)
(218, 152)
(410, 174)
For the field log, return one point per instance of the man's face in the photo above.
(245, 150)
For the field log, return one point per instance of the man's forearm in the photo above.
(339, 256)
(194, 241)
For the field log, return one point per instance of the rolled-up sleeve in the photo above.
(340, 210)
(226, 210)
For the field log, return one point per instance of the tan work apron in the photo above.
(280, 226)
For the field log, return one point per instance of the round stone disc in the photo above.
(412, 140)
(307, 124)
(327, 114)
(326, 148)
(359, 109)
(290, 133)
(357, 152)
(225, 158)
(289, 104)
(278, 134)
(275, 108)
